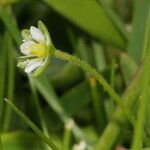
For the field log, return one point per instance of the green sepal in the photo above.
(39, 70)
(22, 63)
(26, 34)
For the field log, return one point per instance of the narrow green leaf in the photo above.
(10, 82)
(136, 42)
(50, 96)
(98, 105)
(12, 27)
(3, 51)
(114, 129)
(2, 80)
(39, 109)
(67, 135)
(99, 56)
(32, 125)
(137, 142)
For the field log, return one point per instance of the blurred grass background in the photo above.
(112, 36)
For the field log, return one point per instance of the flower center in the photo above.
(39, 50)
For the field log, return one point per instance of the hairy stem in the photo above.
(88, 68)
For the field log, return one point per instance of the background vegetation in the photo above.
(65, 103)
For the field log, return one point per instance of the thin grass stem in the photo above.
(137, 142)
(67, 135)
(38, 107)
(114, 128)
(32, 125)
(1, 144)
(10, 87)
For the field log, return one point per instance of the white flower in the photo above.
(36, 47)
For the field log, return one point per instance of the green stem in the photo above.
(114, 128)
(141, 116)
(88, 68)
(3, 53)
(13, 29)
(32, 125)
(112, 83)
(38, 108)
(98, 106)
(10, 87)
(67, 134)
(139, 127)
(1, 145)
(2, 81)
(50, 96)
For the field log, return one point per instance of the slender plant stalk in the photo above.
(32, 125)
(67, 135)
(141, 116)
(10, 87)
(112, 75)
(114, 128)
(112, 83)
(52, 100)
(6, 17)
(139, 128)
(1, 144)
(88, 68)
(3, 53)
(97, 105)
(66, 139)
(3, 59)
(38, 107)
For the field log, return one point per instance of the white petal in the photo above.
(37, 35)
(32, 65)
(25, 47)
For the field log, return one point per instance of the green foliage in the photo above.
(100, 99)
(92, 17)
(137, 40)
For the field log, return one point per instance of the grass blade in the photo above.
(11, 79)
(136, 42)
(38, 108)
(50, 96)
(114, 128)
(32, 125)
(13, 29)
(141, 115)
